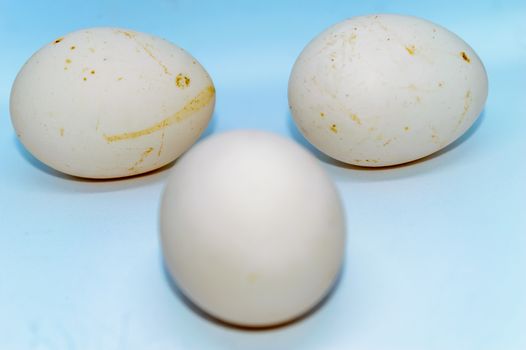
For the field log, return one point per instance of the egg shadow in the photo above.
(381, 173)
(218, 322)
(104, 185)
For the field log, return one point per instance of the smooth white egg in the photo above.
(108, 102)
(386, 89)
(252, 228)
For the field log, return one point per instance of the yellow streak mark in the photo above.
(465, 57)
(61, 131)
(128, 34)
(182, 81)
(144, 154)
(334, 129)
(162, 145)
(321, 114)
(68, 61)
(72, 47)
(201, 100)
(467, 100)
(146, 49)
(406, 128)
(356, 119)
(119, 78)
(411, 49)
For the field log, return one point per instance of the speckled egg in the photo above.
(108, 102)
(382, 90)
(252, 228)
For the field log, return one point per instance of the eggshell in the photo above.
(252, 228)
(386, 89)
(108, 102)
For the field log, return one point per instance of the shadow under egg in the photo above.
(298, 137)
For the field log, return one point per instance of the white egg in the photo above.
(386, 89)
(252, 228)
(107, 102)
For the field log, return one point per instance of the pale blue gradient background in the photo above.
(436, 255)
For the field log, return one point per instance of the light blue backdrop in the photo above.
(436, 255)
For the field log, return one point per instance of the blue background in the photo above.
(436, 255)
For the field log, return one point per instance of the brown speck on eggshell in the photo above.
(465, 56)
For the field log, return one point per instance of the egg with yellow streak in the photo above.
(109, 102)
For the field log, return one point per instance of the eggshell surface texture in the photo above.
(386, 89)
(107, 102)
(252, 228)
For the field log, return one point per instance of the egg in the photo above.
(386, 89)
(109, 102)
(252, 228)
